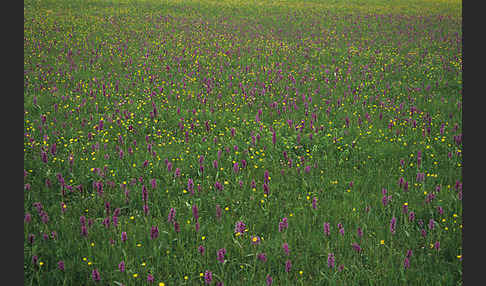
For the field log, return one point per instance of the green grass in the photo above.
(353, 91)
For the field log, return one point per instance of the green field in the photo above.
(243, 142)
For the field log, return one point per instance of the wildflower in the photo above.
(115, 220)
(106, 222)
(285, 247)
(240, 227)
(288, 266)
(327, 228)
(171, 216)
(124, 236)
(121, 266)
(393, 225)
(221, 252)
(431, 224)
(190, 185)
(314, 203)
(283, 224)
(60, 265)
(154, 232)
(31, 238)
(330, 260)
(44, 156)
(177, 227)
(262, 257)
(144, 193)
(195, 212)
(411, 216)
(423, 232)
(208, 277)
(266, 189)
(420, 177)
(28, 218)
(406, 263)
(150, 278)
(95, 274)
(44, 217)
(201, 249)
(356, 247)
(255, 240)
(385, 199)
(269, 280)
(437, 245)
(341, 228)
(360, 232)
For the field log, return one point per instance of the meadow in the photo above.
(242, 142)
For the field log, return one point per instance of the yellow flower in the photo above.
(41, 263)
(382, 242)
(135, 275)
(301, 272)
(162, 283)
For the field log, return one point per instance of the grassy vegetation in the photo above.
(255, 143)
